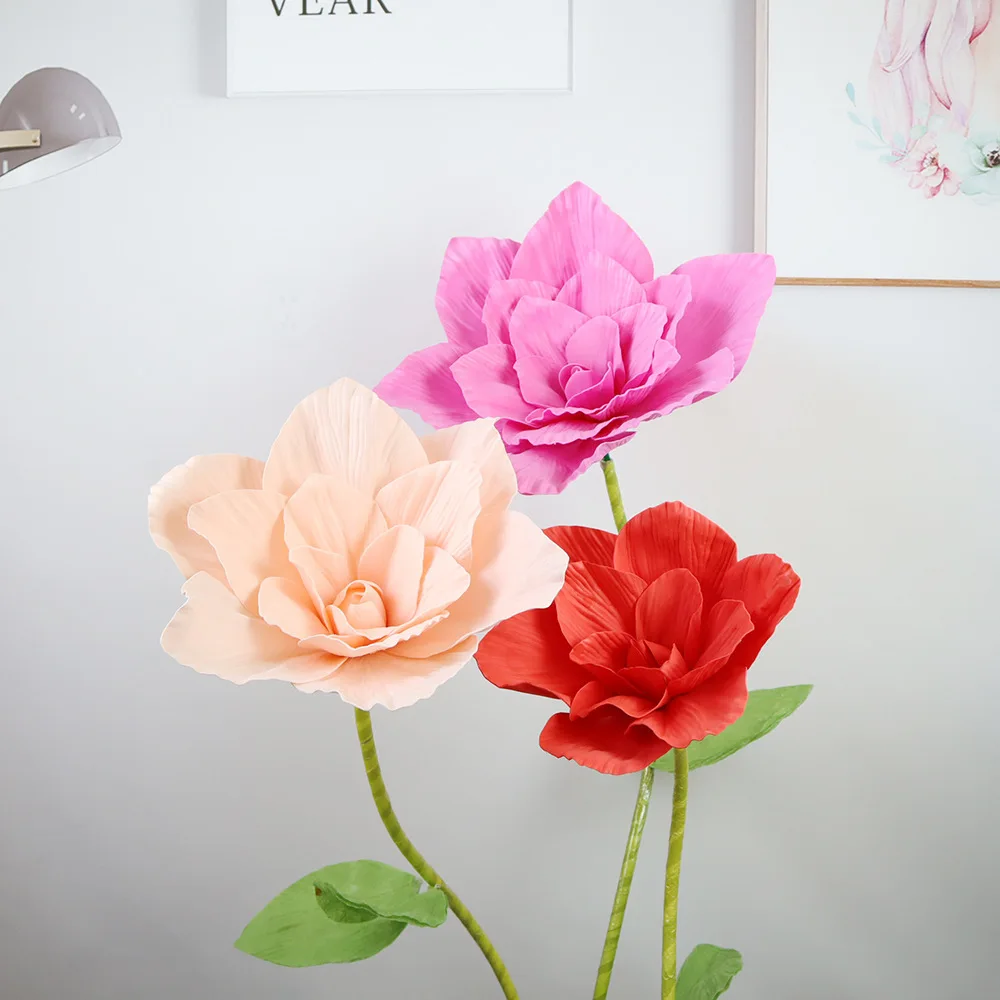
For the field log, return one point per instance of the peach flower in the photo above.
(358, 559)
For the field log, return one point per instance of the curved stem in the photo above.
(614, 491)
(673, 880)
(417, 861)
(624, 885)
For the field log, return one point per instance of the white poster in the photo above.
(336, 46)
(879, 140)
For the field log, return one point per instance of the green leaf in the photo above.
(378, 890)
(293, 930)
(877, 127)
(851, 95)
(764, 711)
(708, 973)
(856, 119)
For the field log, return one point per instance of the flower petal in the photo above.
(576, 223)
(673, 292)
(478, 443)
(602, 287)
(595, 695)
(589, 545)
(643, 328)
(673, 536)
(441, 501)
(542, 329)
(706, 711)
(769, 588)
(595, 346)
(489, 382)
(550, 469)
(502, 301)
(344, 431)
(729, 295)
(286, 604)
(515, 568)
(681, 386)
(669, 612)
(528, 653)
(246, 530)
(329, 514)
(471, 268)
(597, 599)
(445, 580)
(539, 381)
(423, 382)
(726, 625)
(361, 643)
(395, 563)
(323, 574)
(397, 681)
(603, 741)
(214, 634)
(174, 495)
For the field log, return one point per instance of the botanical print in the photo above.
(934, 95)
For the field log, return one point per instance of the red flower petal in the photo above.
(597, 599)
(768, 587)
(602, 742)
(673, 536)
(669, 612)
(706, 711)
(595, 695)
(726, 625)
(584, 544)
(528, 653)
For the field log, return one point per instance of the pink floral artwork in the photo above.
(934, 94)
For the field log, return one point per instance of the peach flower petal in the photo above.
(479, 444)
(213, 634)
(323, 574)
(286, 604)
(327, 513)
(395, 561)
(515, 568)
(342, 645)
(441, 501)
(344, 431)
(174, 495)
(246, 530)
(395, 681)
(444, 582)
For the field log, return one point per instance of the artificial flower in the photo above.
(570, 341)
(358, 559)
(649, 642)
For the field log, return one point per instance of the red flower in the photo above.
(648, 643)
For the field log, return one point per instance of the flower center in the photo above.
(362, 605)
(930, 161)
(992, 156)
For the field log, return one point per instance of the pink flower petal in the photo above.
(673, 292)
(477, 443)
(686, 384)
(441, 501)
(729, 295)
(576, 223)
(503, 299)
(602, 287)
(423, 382)
(213, 634)
(471, 268)
(586, 391)
(174, 495)
(539, 381)
(547, 470)
(595, 346)
(396, 681)
(344, 431)
(489, 382)
(542, 329)
(642, 328)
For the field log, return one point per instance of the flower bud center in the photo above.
(362, 605)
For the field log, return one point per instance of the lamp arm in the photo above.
(20, 139)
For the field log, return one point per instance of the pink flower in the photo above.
(570, 342)
(927, 172)
(358, 559)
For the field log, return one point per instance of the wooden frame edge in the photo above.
(761, 110)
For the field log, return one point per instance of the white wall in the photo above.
(182, 294)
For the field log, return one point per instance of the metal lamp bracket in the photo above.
(21, 139)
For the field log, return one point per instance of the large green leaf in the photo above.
(377, 890)
(708, 972)
(293, 929)
(765, 709)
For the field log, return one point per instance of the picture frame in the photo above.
(788, 238)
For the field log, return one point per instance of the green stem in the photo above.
(624, 885)
(614, 491)
(673, 880)
(419, 864)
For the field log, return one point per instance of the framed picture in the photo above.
(344, 46)
(878, 141)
